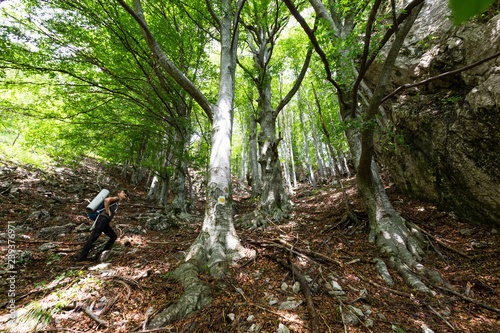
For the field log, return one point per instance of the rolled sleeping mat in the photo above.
(94, 204)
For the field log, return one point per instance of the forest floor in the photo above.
(52, 292)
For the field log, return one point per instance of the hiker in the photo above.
(102, 225)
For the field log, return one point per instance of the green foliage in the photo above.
(390, 141)
(463, 10)
(34, 316)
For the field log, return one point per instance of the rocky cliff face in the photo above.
(443, 144)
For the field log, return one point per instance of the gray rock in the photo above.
(100, 267)
(19, 257)
(160, 222)
(254, 328)
(135, 230)
(290, 305)
(296, 287)
(449, 129)
(47, 246)
(52, 233)
(283, 329)
(231, 316)
(106, 255)
(426, 329)
(284, 286)
(251, 318)
(465, 232)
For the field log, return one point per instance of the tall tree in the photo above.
(342, 23)
(217, 244)
(264, 22)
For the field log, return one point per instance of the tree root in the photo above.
(196, 295)
(382, 270)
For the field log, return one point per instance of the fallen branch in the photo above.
(92, 315)
(468, 299)
(440, 316)
(287, 318)
(308, 253)
(305, 288)
(440, 242)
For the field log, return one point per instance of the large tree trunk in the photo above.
(256, 176)
(217, 244)
(306, 143)
(274, 201)
(391, 232)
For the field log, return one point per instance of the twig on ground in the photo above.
(440, 242)
(440, 316)
(305, 288)
(308, 253)
(129, 289)
(92, 315)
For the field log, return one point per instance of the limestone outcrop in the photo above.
(443, 143)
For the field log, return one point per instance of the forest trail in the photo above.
(331, 255)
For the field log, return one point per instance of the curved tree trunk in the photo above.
(274, 201)
(391, 232)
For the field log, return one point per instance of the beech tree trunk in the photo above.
(392, 233)
(306, 144)
(217, 244)
(256, 176)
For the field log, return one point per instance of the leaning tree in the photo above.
(346, 59)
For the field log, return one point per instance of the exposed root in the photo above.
(92, 315)
(196, 295)
(382, 270)
(404, 243)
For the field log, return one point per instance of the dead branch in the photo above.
(440, 242)
(129, 289)
(305, 288)
(47, 241)
(440, 316)
(307, 252)
(92, 315)
(468, 299)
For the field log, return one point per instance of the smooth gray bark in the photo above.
(306, 144)
(217, 244)
(256, 177)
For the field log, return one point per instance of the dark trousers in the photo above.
(102, 225)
